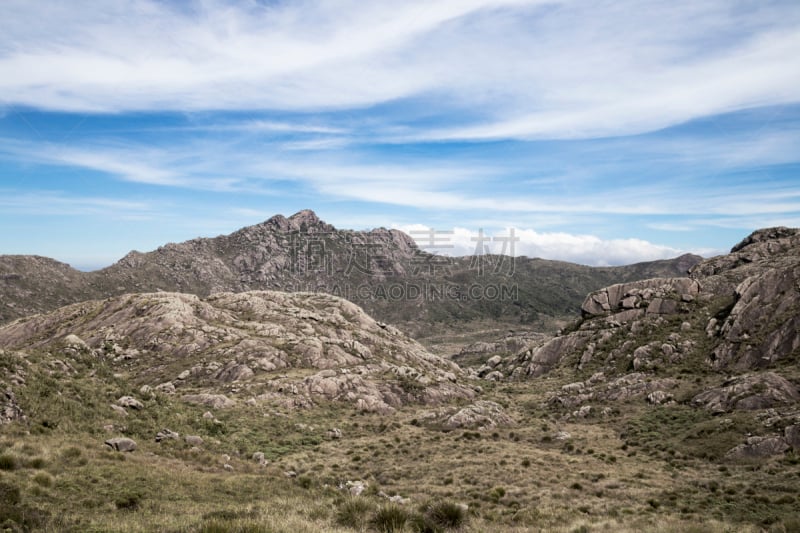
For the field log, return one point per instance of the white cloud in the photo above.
(583, 249)
(498, 68)
(47, 203)
(452, 186)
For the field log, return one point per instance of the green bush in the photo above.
(354, 513)
(390, 519)
(446, 515)
(8, 462)
(128, 502)
(43, 479)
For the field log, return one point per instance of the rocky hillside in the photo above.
(381, 270)
(289, 349)
(671, 405)
(726, 338)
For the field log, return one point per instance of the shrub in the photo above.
(35, 462)
(354, 513)
(9, 494)
(446, 515)
(8, 462)
(390, 519)
(128, 502)
(43, 479)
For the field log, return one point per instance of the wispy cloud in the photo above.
(56, 203)
(507, 68)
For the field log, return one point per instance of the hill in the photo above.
(671, 405)
(381, 270)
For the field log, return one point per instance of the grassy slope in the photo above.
(651, 468)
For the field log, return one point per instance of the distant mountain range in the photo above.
(384, 271)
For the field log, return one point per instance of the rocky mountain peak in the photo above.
(766, 234)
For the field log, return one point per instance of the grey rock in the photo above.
(166, 388)
(194, 440)
(121, 444)
(481, 415)
(659, 397)
(130, 402)
(166, 434)
(792, 436)
(10, 410)
(260, 458)
(749, 392)
(758, 447)
(216, 401)
(234, 372)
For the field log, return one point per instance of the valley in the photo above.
(192, 389)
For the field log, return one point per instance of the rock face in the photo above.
(749, 392)
(9, 409)
(759, 448)
(659, 296)
(481, 415)
(250, 338)
(738, 314)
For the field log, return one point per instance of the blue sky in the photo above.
(602, 132)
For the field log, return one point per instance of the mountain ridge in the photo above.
(382, 270)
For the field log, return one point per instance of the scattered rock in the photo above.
(792, 436)
(10, 411)
(481, 415)
(563, 435)
(334, 433)
(121, 444)
(758, 447)
(119, 410)
(166, 388)
(260, 458)
(227, 467)
(749, 392)
(215, 401)
(194, 440)
(73, 341)
(659, 397)
(130, 402)
(166, 434)
(356, 488)
(234, 372)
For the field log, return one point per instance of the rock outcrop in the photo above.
(749, 392)
(481, 415)
(737, 314)
(333, 348)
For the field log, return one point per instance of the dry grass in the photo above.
(635, 471)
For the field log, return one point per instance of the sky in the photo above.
(604, 132)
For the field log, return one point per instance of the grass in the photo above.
(646, 468)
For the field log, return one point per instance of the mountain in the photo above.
(298, 347)
(724, 340)
(381, 270)
(671, 404)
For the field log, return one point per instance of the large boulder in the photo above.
(758, 448)
(10, 411)
(749, 392)
(763, 325)
(657, 295)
